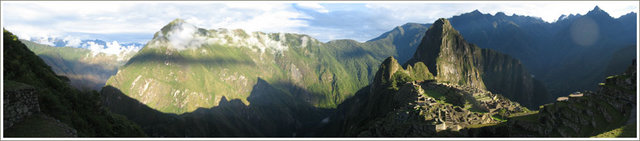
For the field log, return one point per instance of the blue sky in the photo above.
(361, 21)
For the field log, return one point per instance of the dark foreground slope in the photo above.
(59, 106)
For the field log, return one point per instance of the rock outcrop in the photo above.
(452, 60)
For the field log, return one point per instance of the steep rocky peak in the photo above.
(597, 8)
(442, 29)
(596, 11)
(389, 67)
(442, 24)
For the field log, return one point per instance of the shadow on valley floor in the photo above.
(155, 58)
(82, 75)
(272, 113)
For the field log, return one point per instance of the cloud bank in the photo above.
(138, 21)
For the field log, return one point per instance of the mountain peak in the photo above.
(598, 12)
(180, 35)
(439, 45)
(441, 24)
(388, 67)
(385, 73)
(476, 12)
(597, 8)
(176, 23)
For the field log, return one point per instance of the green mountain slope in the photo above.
(403, 40)
(452, 60)
(185, 67)
(87, 70)
(59, 103)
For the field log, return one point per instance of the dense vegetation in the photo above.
(80, 110)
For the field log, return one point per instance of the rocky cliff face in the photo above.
(448, 56)
(452, 60)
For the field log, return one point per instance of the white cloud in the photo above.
(184, 36)
(72, 41)
(60, 19)
(111, 48)
(314, 6)
(145, 17)
(46, 41)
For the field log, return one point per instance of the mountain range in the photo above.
(473, 74)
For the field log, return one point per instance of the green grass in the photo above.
(482, 125)
(434, 93)
(499, 118)
(13, 85)
(628, 130)
(526, 116)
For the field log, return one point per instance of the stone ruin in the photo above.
(19, 104)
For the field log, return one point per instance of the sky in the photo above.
(325, 21)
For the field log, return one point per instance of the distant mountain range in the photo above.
(95, 45)
(568, 55)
